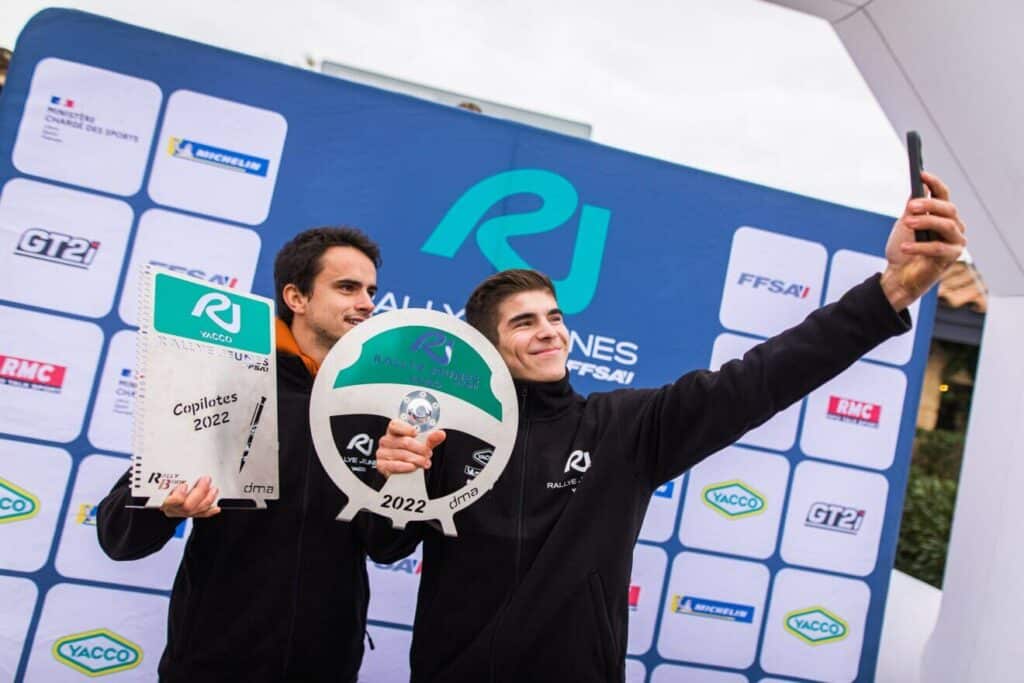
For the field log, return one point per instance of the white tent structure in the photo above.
(948, 69)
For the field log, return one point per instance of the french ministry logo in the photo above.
(97, 653)
(559, 201)
(714, 609)
(58, 101)
(192, 150)
(31, 374)
(849, 410)
(816, 625)
(56, 247)
(16, 504)
(733, 499)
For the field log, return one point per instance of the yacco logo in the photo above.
(191, 150)
(857, 412)
(229, 281)
(716, 609)
(834, 517)
(665, 490)
(409, 565)
(733, 499)
(436, 345)
(97, 653)
(578, 460)
(362, 443)
(559, 203)
(31, 374)
(212, 303)
(57, 247)
(792, 289)
(634, 597)
(816, 625)
(59, 101)
(16, 504)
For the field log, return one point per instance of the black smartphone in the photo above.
(917, 187)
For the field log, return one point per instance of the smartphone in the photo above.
(917, 187)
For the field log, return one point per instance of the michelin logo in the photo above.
(190, 150)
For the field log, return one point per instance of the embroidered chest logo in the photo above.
(578, 461)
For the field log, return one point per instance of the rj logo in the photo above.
(560, 200)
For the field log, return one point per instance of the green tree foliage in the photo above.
(928, 507)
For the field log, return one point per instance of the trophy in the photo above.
(433, 371)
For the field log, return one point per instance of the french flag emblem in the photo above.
(60, 102)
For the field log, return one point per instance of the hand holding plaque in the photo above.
(434, 372)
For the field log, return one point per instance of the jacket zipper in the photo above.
(519, 527)
(298, 560)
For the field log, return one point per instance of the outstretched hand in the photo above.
(399, 451)
(914, 267)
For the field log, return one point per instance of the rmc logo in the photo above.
(559, 202)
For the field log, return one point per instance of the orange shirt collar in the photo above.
(286, 342)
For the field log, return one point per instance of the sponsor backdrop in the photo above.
(121, 147)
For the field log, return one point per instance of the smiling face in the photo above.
(340, 298)
(532, 337)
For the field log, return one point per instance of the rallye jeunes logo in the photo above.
(31, 374)
(97, 653)
(816, 625)
(16, 504)
(559, 201)
(860, 413)
(191, 150)
(834, 517)
(715, 609)
(733, 499)
(773, 286)
(56, 247)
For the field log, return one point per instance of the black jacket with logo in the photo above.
(535, 586)
(261, 595)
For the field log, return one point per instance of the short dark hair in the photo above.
(299, 261)
(482, 305)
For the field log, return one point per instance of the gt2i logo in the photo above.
(834, 517)
(16, 504)
(816, 625)
(797, 291)
(97, 653)
(57, 247)
(559, 203)
(733, 499)
(212, 304)
(857, 412)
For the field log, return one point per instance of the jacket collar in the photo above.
(544, 399)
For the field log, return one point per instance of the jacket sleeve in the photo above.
(703, 411)
(129, 533)
(383, 542)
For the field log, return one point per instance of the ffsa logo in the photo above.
(793, 289)
(559, 202)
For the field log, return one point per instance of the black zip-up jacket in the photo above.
(535, 586)
(263, 595)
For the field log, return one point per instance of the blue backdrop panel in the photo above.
(655, 264)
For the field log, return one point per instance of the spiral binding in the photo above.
(145, 319)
